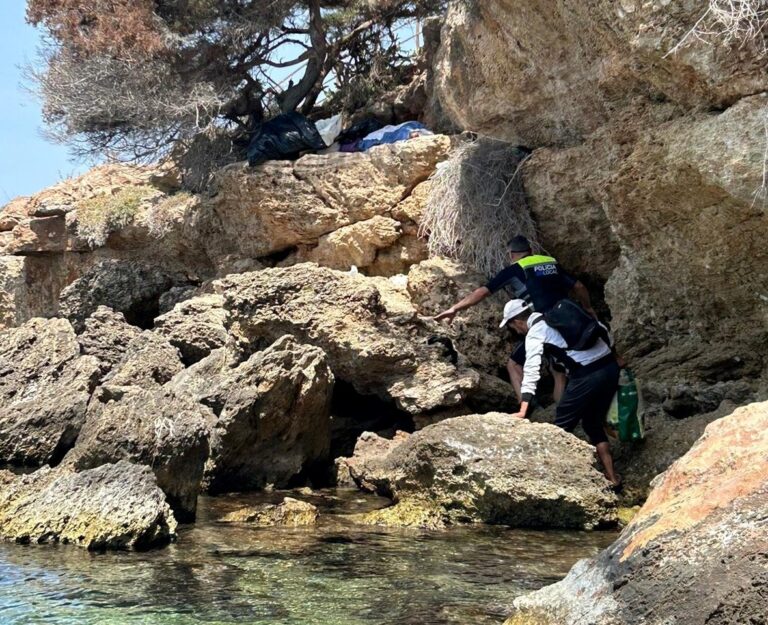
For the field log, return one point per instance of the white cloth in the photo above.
(540, 334)
(330, 128)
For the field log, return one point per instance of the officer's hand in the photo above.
(446, 314)
(518, 415)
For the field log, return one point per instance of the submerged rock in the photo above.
(116, 506)
(696, 552)
(166, 431)
(45, 386)
(290, 513)
(494, 469)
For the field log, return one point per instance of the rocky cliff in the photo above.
(245, 336)
(647, 175)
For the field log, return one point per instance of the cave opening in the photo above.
(353, 413)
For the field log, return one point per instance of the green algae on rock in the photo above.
(489, 468)
(115, 506)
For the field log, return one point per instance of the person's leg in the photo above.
(515, 369)
(569, 410)
(560, 381)
(604, 453)
(604, 384)
(515, 377)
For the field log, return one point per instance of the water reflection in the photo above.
(336, 573)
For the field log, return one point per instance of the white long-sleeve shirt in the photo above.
(541, 334)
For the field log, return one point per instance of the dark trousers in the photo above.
(587, 399)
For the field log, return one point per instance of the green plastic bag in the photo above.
(625, 416)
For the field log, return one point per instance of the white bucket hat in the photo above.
(512, 309)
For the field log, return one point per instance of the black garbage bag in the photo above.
(360, 130)
(284, 137)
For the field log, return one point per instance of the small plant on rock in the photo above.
(99, 216)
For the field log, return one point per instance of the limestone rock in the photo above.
(195, 327)
(676, 204)
(149, 361)
(543, 72)
(365, 465)
(116, 506)
(437, 284)
(129, 287)
(356, 244)
(290, 513)
(107, 336)
(281, 205)
(158, 428)
(368, 328)
(13, 292)
(694, 554)
(45, 386)
(272, 414)
(177, 295)
(494, 469)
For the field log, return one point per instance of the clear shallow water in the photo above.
(336, 573)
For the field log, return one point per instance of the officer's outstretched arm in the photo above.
(475, 297)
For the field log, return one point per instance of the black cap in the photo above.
(519, 244)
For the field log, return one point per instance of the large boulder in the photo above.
(368, 327)
(696, 552)
(494, 469)
(160, 429)
(45, 386)
(195, 327)
(130, 287)
(116, 506)
(272, 414)
(550, 72)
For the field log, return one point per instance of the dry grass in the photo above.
(730, 22)
(477, 203)
(101, 215)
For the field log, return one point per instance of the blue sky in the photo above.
(28, 163)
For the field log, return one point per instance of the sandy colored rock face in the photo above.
(280, 205)
(45, 386)
(367, 327)
(696, 551)
(437, 284)
(117, 506)
(544, 72)
(290, 513)
(160, 429)
(340, 210)
(494, 469)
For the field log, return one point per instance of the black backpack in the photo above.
(579, 329)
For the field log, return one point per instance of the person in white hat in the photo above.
(593, 372)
